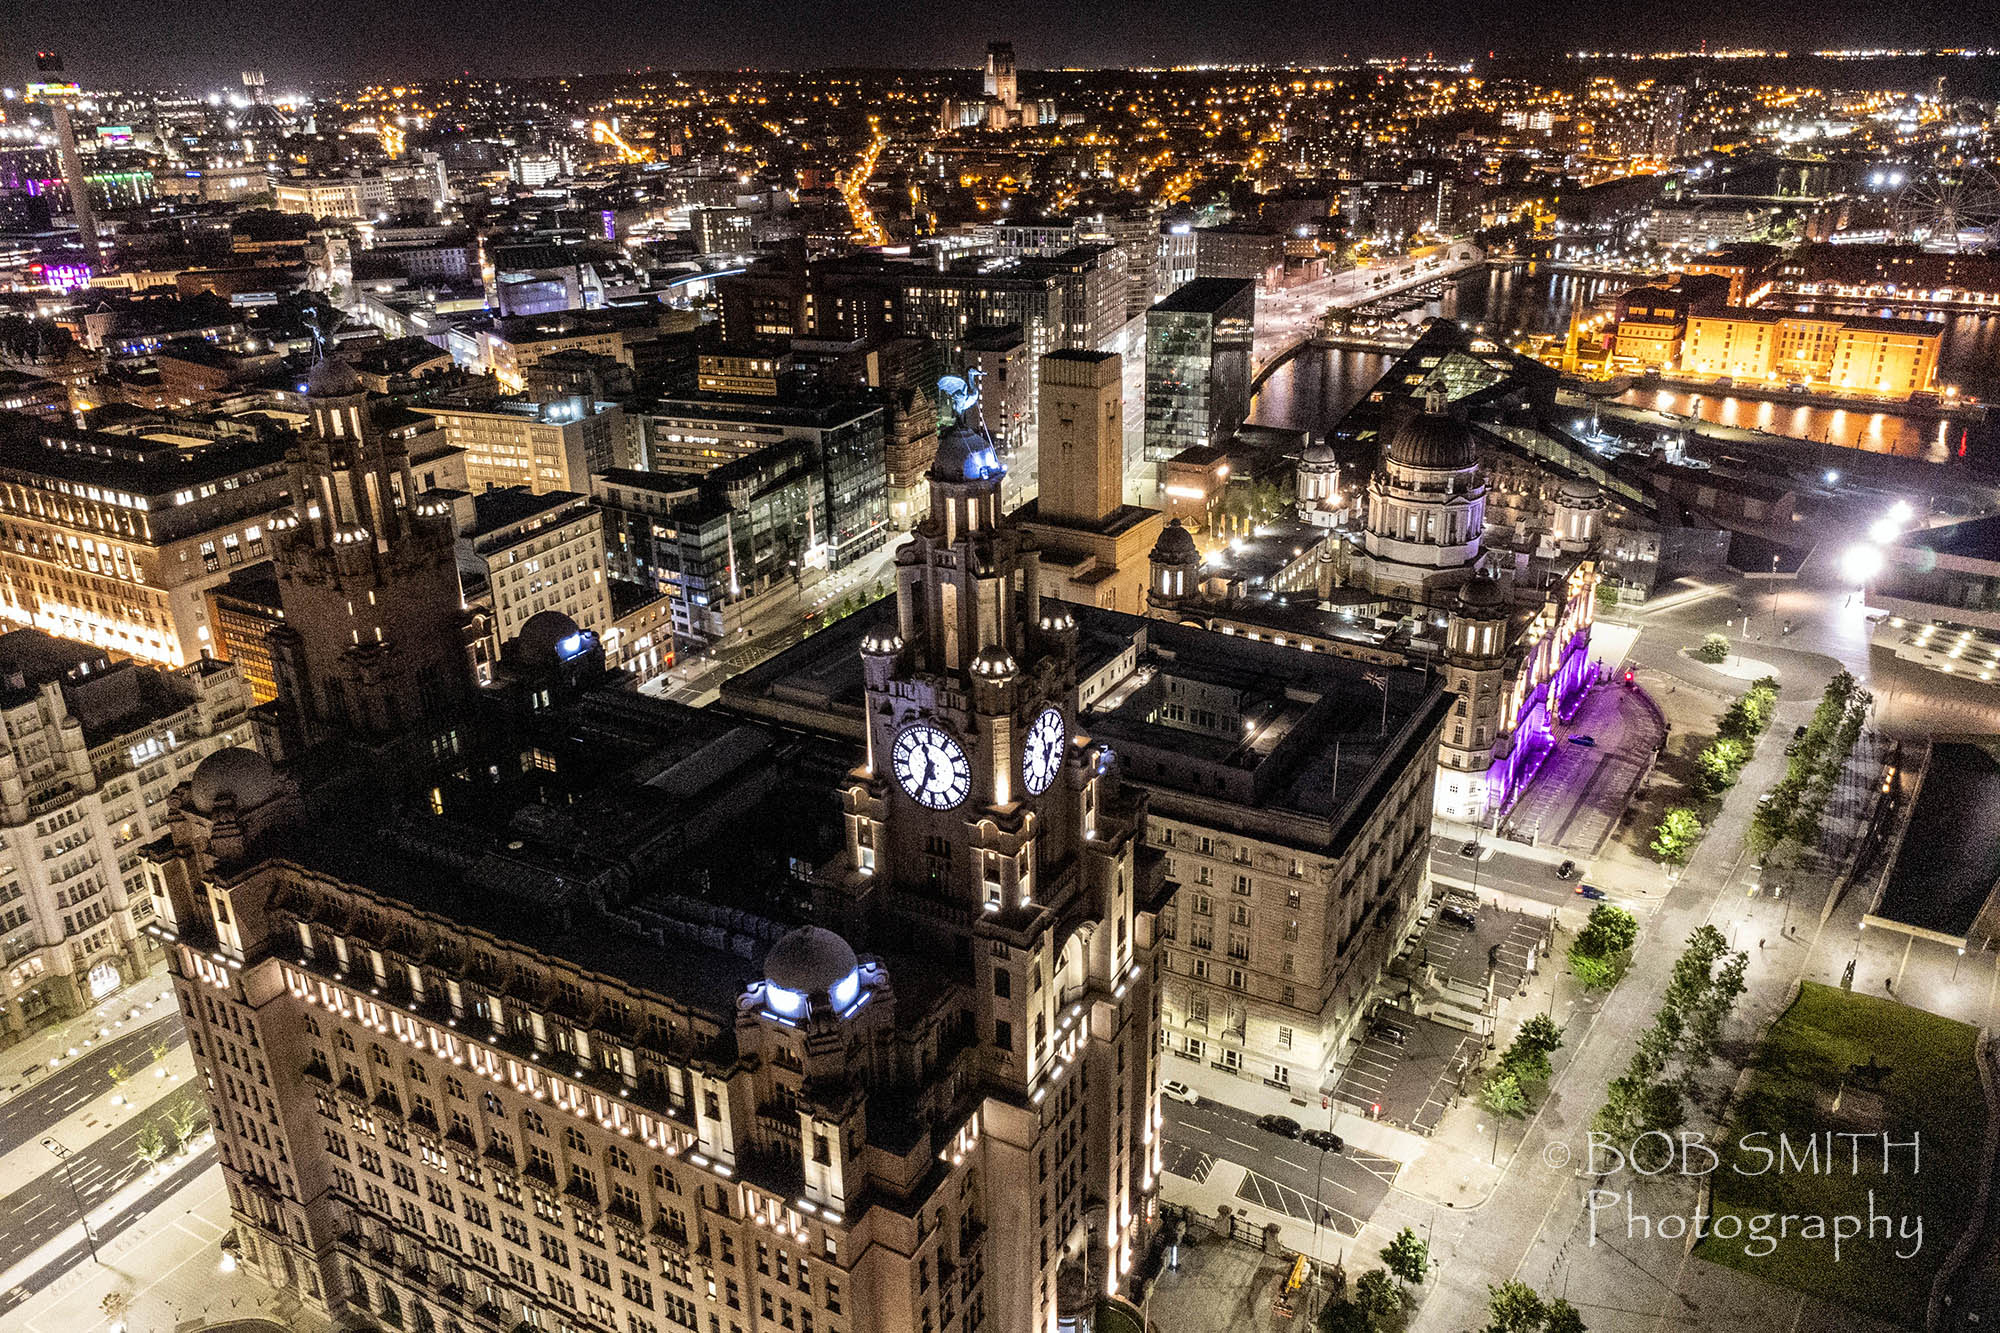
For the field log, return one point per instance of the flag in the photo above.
(1376, 678)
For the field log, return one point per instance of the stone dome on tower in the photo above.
(965, 455)
(548, 639)
(332, 377)
(1319, 453)
(1434, 440)
(238, 774)
(1482, 597)
(810, 961)
(1175, 546)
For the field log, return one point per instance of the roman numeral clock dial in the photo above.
(1041, 757)
(931, 766)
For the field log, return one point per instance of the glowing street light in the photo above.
(1861, 563)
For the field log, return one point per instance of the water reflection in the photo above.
(1876, 432)
(1315, 389)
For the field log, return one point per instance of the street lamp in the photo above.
(1326, 1141)
(1774, 595)
(62, 1155)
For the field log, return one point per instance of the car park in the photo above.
(1281, 1125)
(1178, 1091)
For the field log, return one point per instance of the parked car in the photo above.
(1178, 1091)
(1458, 916)
(1469, 849)
(1281, 1125)
(1591, 892)
(1323, 1139)
(1587, 741)
(1390, 1033)
(1797, 388)
(1567, 870)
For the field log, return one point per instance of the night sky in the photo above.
(204, 43)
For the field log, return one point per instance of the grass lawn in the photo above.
(1932, 1093)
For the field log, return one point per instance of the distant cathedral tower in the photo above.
(374, 637)
(1001, 83)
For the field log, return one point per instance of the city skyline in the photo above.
(941, 695)
(131, 41)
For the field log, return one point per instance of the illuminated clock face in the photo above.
(931, 766)
(1041, 758)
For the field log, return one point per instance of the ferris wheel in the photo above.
(1951, 210)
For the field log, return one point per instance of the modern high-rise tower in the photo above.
(59, 94)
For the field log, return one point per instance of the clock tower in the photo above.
(977, 796)
(988, 836)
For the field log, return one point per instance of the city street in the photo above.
(175, 1175)
(34, 1215)
(1281, 1171)
(699, 674)
(77, 1082)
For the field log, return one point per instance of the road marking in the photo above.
(1241, 1144)
(1286, 1161)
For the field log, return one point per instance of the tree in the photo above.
(1376, 1297)
(1501, 1094)
(1528, 1066)
(150, 1146)
(118, 1073)
(1714, 649)
(1712, 1010)
(1674, 840)
(1540, 1031)
(1562, 1317)
(1619, 1116)
(184, 1118)
(1345, 1317)
(1610, 930)
(1407, 1257)
(1592, 972)
(1514, 1308)
(1609, 596)
(1717, 766)
(1603, 948)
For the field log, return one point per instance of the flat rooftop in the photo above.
(1313, 729)
(1949, 860)
(1204, 296)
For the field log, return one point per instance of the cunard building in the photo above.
(647, 1019)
